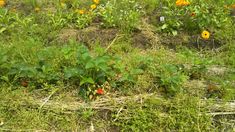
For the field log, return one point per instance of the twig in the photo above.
(48, 98)
(21, 130)
(114, 40)
(118, 114)
(221, 113)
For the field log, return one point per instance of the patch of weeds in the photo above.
(221, 86)
(182, 113)
(226, 56)
(197, 71)
(124, 14)
(73, 65)
(97, 72)
(170, 78)
(86, 114)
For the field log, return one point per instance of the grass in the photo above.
(151, 80)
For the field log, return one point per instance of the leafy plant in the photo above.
(170, 78)
(195, 17)
(124, 14)
(93, 72)
(83, 20)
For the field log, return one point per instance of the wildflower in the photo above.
(37, 9)
(80, 11)
(193, 14)
(93, 6)
(100, 91)
(205, 34)
(182, 3)
(2, 3)
(96, 1)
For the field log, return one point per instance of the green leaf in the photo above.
(136, 71)
(164, 26)
(71, 72)
(90, 64)
(86, 57)
(86, 80)
(4, 78)
(2, 30)
(174, 32)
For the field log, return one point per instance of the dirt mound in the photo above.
(88, 35)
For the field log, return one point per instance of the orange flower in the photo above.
(182, 3)
(2, 3)
(100, 91)
(178, 2)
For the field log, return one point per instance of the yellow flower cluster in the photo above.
(92, 7)
(96, 2)
(182, 3)
(2, 3)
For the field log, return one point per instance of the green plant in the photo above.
(3, 65)
(194, 18)
(83, 20)
(93, 72)
(178, 114)
(173, 17)
(57, 20)
(170, 78)
(124, 14)
(11, 22)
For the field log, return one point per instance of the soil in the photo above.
(144, 37)
(89, 35)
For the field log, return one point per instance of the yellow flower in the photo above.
(179, 2)
(37, 9)
(96, 1)
(93, 6)
(182, 3)
(205, 34)
(2, 3)
(80, 11)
